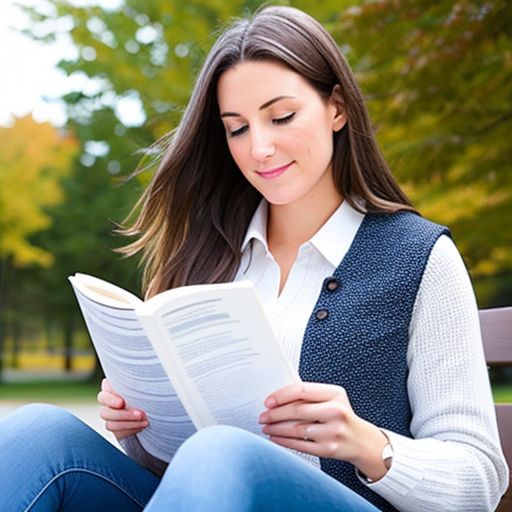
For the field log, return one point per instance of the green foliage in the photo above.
(437, 76)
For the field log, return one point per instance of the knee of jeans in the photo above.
(40, 413)
(223, 442)
(46, 423)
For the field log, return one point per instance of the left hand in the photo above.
(318, 419)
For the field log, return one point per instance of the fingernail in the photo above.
(271, 402)
(263, 418)
(137, 414)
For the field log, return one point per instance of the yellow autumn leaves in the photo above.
(34, 157)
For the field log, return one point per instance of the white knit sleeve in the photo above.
(454, 462)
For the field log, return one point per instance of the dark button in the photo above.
(322, 314)
(332, 284)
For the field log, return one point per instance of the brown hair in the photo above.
(194, 214)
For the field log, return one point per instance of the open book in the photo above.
(189, 357)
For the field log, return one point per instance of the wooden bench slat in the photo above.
(496, 327)
(504, 415)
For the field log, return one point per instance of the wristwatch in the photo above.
(387, 455)
(387, 458)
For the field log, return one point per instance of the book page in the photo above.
(220, 349)
(103, 291)
(135, 372)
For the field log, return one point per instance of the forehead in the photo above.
(252, 83)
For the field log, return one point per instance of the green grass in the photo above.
(502, 393)
(49, 391)
(85, 391)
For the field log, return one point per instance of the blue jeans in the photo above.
(51, 461)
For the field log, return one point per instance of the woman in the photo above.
(274, 176)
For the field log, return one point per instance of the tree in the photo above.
(34, 158)
(437, 78)
(434, 74)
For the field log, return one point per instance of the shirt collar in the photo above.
(332, 240)
(258, 226)
(335, 237)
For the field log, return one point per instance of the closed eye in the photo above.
(279, 120)
(285, 119)
(238, 131)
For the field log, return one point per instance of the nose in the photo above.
(262, 144)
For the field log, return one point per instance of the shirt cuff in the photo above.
(405, 473)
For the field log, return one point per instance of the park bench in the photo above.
(496, 326)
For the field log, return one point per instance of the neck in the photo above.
(293, 224)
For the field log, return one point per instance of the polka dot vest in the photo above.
(357, 335)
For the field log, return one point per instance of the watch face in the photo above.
(387, 455)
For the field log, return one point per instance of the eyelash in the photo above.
(280, 120)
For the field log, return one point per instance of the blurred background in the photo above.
(87, 85)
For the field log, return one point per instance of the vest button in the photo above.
(332, 284)
(322, 314)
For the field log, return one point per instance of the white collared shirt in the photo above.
(289, 311)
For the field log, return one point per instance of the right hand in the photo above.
(121, 420)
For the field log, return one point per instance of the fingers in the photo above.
(123, 422)
(109, 400)
(105, 386)
(121, 426)
(327, 450)
(126, 415)
(310, 432)
(120, 419)
(108, 397)
(317, 439)
(305, 391)
(307, 412)
(314, 418)
(290, 429)
(121, 434)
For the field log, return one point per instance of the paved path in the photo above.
(87, 412)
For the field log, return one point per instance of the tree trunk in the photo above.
(49, 334)
(97, 373)
(2, 318)
(2, 335)
(68, 344)
(16, 342)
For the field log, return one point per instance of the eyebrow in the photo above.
(265, 105)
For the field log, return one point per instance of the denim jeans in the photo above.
(50, 461)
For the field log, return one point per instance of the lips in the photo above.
(269, 174)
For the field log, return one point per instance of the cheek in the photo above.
(320, 143)
(238, 153)
(309, 143)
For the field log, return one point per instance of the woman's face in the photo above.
(279, 131)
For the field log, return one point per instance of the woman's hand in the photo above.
(121, 420)
(318, 419)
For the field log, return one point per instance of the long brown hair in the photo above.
(193, 216)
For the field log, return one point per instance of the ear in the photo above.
(338, 103)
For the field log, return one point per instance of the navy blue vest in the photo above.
(357, 335)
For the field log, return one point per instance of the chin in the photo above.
(282, 196)
(278, 201)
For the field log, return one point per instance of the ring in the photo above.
(305, 435)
